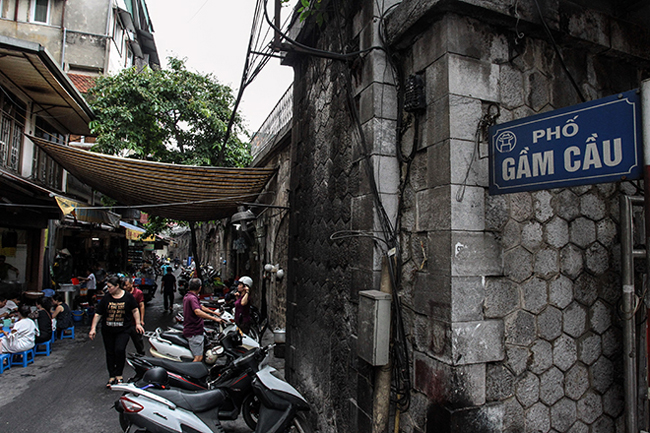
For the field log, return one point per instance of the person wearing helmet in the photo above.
(242, 304)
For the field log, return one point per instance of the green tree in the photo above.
(170, 115)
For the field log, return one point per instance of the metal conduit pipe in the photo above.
(629, 334)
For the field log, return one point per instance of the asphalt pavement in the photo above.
(66, 391)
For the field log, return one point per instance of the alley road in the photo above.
(66, 391)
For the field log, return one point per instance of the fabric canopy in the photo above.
(81, 212)
(181, 192)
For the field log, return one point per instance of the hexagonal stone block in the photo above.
(518, 264)
(496, 212)
(517, 359)
(557, 232)
(609, 289)
(578, 427)
(538, 418)
(535, 295)
(614, 400)
(597, 258)
(566, 205)
(501, 297)
(571, 261)
(600, 317)
(589, 348)
(513, 416)
(612, 343)
(547, 263)
(606, 231)
(574, 319)
(590, 407)
(563, 415)
(542, 204)
(551, 386)
(521, 206)
(520, 328)
(565, 353)
(532, 236)
(603, 425)
(511, 234)
(549, 323)
(592, 206)
(602, 374)
(606, 189)
(541, 358)
(582, 232)
(527, 390)
(560, 292)
(585, 290)
(499, 383)
(576, 381)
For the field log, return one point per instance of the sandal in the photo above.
(111, 381)
(119, 380)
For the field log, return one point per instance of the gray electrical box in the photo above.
(374, 327)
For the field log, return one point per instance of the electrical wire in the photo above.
(559, 54)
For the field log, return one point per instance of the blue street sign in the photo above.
(594, 142)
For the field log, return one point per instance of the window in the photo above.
(40, 11)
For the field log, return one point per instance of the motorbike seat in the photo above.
(175, 338)
(197, 370)
(195, 401)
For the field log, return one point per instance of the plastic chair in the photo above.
(5, 357)
(22, 358)
(47, 348)
(53, 336)
(71, 335)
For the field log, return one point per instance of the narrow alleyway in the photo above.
(66, 391)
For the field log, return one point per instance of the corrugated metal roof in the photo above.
(33, 71)
(181, 192)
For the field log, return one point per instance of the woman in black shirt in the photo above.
(118, 312)
(44, 320)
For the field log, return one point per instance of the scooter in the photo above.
(235, 378)
(151, 406)
(170, 344)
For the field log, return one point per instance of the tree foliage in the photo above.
(170, 115)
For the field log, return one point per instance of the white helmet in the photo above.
(211, 355)
(246, 281)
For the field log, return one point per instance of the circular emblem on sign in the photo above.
(506, 141)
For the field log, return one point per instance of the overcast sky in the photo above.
(213, 36)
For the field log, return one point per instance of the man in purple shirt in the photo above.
(194, 313)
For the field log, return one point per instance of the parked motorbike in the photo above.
(150, 405)
(170, 344)
(235, 378)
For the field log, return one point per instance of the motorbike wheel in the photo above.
(124, 423)
(251, 411)
(300, 424)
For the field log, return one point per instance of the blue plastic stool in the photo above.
(5, 357)
(71, 335)
(22, 358)
(53, 336)
(47, 349)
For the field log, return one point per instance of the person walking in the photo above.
(168, 287)
(117, 311)
(136, 337)
(194, 314)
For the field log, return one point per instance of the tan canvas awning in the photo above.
(180, 192)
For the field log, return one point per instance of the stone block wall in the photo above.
(511, 300)
(508, 301)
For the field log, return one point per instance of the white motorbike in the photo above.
(171, 344)
(150, 406)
